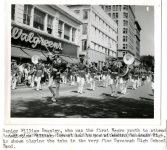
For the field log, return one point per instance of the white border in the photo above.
(90, 121)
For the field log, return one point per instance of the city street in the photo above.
(27, 102)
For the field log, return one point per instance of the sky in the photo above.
(145, 17)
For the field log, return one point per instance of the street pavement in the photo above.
(27, 102)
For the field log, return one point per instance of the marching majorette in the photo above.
(81, 75)
(125, 84)
(55, 79)
(93, 71)
(39, 73)
(135, 80)
(105, 77)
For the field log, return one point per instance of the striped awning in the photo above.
(17, 52)
(34, 52)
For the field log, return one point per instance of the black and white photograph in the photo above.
(82, 61)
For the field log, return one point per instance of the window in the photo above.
(116, 22)
(113, 7)
(77, 11)
(116, 7)
(116, 15)
(13, 12)
(84, 44)
(125, 46)
(60, 27)
(125, 7)
(27, 14)
(125, 15)
(97, 19)
(96, 47)
(67, 32)
(92, 45)
(85, 14)
(108, 8)
(125, 38)
(84, 28)
(125, 23)
(39, 17)
(73, 34)
(125, 30)
(119, 7)
(50, 24)
(113, 15)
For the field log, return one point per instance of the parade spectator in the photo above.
(14, 74)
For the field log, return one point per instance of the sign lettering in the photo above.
(17, 33)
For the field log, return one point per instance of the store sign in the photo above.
(34, 39)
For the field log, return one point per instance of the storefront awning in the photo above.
(33, 52)
(66, 59)
(75, 60)
(17, 52)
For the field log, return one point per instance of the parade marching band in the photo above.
(56, 72)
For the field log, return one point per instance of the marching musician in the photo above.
(93, 71)
(39, 73)
(125, 84)
(81, 75)
(105, 77)
(55, 63)
(72, 73)
(113, 81)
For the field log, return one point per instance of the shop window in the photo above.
(50, 24)
(13, 11)
(84, 28)
(67, 32)
(27, 14)
(39, 17)
(85, 14)
(73, 34)
(60, 28)
(84, 44)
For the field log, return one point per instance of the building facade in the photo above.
(99, 34)
(137, 41)
(124, 16)
(39, 29)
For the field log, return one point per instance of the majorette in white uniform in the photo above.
(81, 76)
